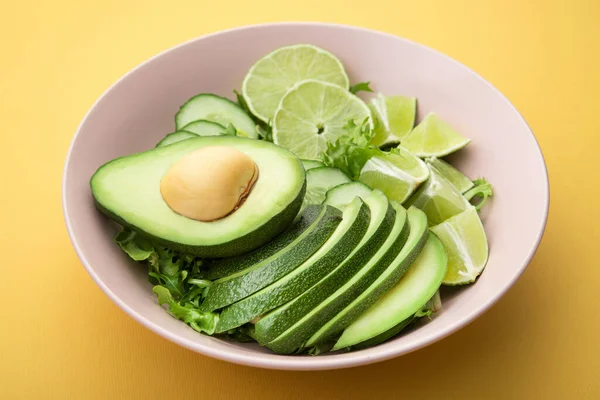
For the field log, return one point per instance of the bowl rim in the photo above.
(279, 362)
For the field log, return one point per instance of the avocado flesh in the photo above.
(417, 222)
(349, 233)
(127, 190)
(228, 290)
(417, 286)
(285, 329)
(234, 266)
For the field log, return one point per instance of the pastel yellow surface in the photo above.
(61, 337)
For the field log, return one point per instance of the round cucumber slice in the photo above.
(320, 180)
(175, 137)
(203, 127)
(217, 109)
(341, 195)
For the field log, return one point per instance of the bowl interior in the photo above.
(139, 109)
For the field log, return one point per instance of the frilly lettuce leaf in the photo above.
(200, 321)
(351, 151)
(136, 247)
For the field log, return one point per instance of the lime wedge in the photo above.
(394, 118)
(438, 198)
(466, 244)
(314, 112)
(273, 75)
(434, 138)
(397, 173)
(457, 178)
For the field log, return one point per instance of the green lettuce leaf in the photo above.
(136, 247)
(352, 150)
(172, 270)
(200, 321)
(361, 87)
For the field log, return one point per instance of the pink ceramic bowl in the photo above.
(138, 111)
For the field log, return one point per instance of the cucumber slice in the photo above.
(287, 328)
(175, 137)
(217, 109)
(203, 127)
(311, 325)
(320, 180)
(310, 164)
(346, 237)
(432, 306)
(390, 333)
(407, 297)
(238, 265)
(341, 195)
(228, 290)
(417, 222)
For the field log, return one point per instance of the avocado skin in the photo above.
(241, 245)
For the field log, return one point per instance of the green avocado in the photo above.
(349, 233)
(285, 329)
(127, 190)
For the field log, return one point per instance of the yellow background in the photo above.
(61, 337)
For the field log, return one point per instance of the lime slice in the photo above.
(394, 118)
(457, 178)
(466, 244)
(438, 198)
(314, 112)
(434, 138)
(273, 75)
(397, 173)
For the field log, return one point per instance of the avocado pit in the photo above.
(209, 183)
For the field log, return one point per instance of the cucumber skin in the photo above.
(221, 294)
(252, 134)
(244, 244)
(269, 329)
(239, 313)
(178, 133)
(229, 266)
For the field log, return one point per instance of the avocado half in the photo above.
(127, 190)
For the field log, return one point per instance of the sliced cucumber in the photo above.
(310, 164)
(320, 180)
(432, 306)
(233, 266)
(228, 290)
(217, 109)
(203, 127)
(382, 337)
(175, 137)
(417, 223)
(341, 195)
(346, 237)
(407, 297)
(311, 325)
(287, 328)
